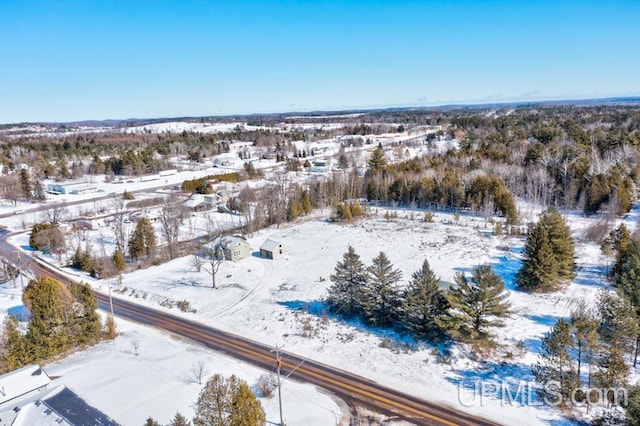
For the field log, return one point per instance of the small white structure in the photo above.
(170, 172)
(272, 249)
(76, 188)
(21, 382)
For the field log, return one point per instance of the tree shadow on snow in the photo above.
(591, 275)
(180, 283)
(319, 309)
(496, 380)
(546, 320)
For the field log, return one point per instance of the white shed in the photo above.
(272, 249)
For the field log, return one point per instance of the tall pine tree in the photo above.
(228, 402)
(475, 305)
(349, 288)
(584, 325)
(143, 239)
(539, 270)
(382, 307)
(25, 184)
(51, 305)
(424, 303)
(561, 242)
(627, 281)
(555, 371)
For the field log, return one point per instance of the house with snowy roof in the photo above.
(25, 381)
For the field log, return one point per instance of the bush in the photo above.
(265, 385)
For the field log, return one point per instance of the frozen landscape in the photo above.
(280, 302)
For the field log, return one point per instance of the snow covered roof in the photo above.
(61, 406)
(22, 381)
(225, 241)
(230, 240)
(270, 245)
(38, 414)
(73, 408)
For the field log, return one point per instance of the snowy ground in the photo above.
(280, 302)
(160, 381)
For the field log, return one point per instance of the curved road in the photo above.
(350, 387)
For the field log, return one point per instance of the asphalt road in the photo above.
(354, 389)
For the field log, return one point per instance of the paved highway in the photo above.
(352, 388)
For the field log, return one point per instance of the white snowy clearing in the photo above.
(162, 380)
(279, 302)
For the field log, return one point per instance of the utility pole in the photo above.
(278, 365)
(111, 309)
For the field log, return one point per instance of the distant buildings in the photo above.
(76, 188)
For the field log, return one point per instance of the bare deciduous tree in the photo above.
(214, 257)
(198, 371)
(117, 225)
(55, 214)
(10, 188)
(266, 384)
(171, 216)
(196, 262)
(135, 344)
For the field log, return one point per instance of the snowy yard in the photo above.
(280, 302)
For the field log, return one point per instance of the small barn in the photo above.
(272, 249)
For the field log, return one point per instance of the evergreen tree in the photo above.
(632, 410)
(539, 270)
(226, 402)
(85, 325)
(475, 305)
(584, 326)
(305, 201)
(627, 282)
(617, 243)
(118, 261)
(424, 303)
(179, 420)
(151, 422)
(143, 239)
(25, 184)
(294, 209)
(561, 242)
(555, 371)
(378, 161)
(613, 371)
(13, 350)
(51, 306)
(382, 307)
(38, 191)
(618, 321)
(349, 287)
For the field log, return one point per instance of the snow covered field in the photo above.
(279, 302)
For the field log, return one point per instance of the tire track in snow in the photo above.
(266, 276)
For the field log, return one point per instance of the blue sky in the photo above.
(73, 60)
